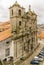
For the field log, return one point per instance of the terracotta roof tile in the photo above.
(7, 32)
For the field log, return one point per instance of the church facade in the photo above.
(24, 29)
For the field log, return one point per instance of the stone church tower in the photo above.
(16, 13)
(24, 29)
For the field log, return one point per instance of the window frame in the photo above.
(7, 52)
(19, 12)
(12, 11)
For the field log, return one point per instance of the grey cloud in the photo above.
(38, 6)
(4, 14)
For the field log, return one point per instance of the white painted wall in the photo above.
(12, 48)
(3, 47)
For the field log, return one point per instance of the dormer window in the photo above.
(12, 12)
(20, 12)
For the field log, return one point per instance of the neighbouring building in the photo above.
(23, 34)
(41, 37)
(5, 38)
(40, 28)
(40, 33)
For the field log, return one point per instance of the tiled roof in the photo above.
(6, 33)
(5, 25)
(16, 4)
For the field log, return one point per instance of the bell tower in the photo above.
(16, 13)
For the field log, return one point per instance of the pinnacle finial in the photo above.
(29, 7)
(16, 1)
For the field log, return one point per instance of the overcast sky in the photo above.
(36, 5)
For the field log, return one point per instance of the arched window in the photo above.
(12, 12)
(19, 12)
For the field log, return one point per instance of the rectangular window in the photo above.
(20, 23)
(7, 52)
